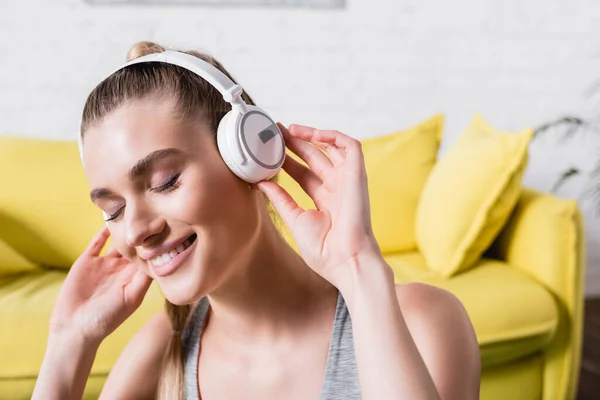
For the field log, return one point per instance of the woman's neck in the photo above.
(271, 289)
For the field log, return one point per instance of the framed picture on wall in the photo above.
(290, 3)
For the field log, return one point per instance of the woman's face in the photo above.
(175, 209)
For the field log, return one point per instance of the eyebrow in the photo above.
(140, 168)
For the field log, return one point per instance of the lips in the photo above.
(168, 255)
(168, 262)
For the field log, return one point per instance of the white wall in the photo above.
(369, 69)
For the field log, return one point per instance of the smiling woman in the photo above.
(241, 305)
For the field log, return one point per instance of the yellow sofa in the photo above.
(524, 296)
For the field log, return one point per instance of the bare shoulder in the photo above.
(445, 338)
(429, 301)
(136, 372)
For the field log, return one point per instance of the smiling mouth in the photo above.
(169, 255)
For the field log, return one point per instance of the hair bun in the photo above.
(143, 49)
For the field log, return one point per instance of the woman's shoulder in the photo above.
(439, 307)
(414, 294)
(442, 331)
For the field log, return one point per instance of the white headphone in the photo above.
(250, 143)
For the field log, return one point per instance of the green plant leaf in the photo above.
(564, 177)
(569, 125)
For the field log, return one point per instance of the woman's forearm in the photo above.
(65, 369)
(389, 364)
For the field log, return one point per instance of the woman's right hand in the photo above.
(99, 293)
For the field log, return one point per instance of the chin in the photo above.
(185, 286)
(179, 299)
(180, 292)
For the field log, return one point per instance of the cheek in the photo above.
(207, 197)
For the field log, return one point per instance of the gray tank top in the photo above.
(341, 374)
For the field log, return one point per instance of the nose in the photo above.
(141, 224)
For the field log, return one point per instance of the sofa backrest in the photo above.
(46, 216)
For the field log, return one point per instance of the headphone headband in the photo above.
(230, 91)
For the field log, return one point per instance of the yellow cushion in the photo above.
(12, 262)
(46, 216)
(397, 166)
(469, 195)
(513, 315)
(26, 303)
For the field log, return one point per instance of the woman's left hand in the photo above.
(338, 233)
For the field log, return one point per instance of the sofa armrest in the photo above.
(544, 238)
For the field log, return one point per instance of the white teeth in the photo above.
(166, 257)
(156, 261)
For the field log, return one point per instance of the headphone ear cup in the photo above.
(227, 142)
(251, 144)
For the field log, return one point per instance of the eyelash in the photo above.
(168, 186)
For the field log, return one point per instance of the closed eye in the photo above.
(171, 184)
(116, 215)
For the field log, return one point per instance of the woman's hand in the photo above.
(339, 232)
(98, 294)
(337, 241)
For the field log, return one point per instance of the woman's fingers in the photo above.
(351, 147)
(136, 289)
(314, 158)
(282, 201)
(305, 177)
(98, 242)
(112, 252)
(337, 155)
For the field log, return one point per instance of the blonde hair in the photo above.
(195, 100)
